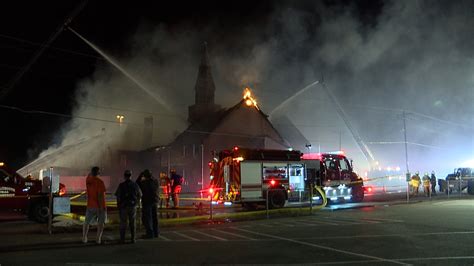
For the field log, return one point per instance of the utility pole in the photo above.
(406, 156)
(340, 139)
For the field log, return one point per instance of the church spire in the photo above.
(204, 90)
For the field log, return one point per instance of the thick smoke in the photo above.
(413, 55)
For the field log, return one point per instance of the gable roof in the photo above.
(204, 128)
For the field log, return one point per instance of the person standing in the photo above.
(96, 208)
(150, 190)
(433, 183)
(176, 182)
(426, 185)
(165, 184)
(415, 182)
(128, 196)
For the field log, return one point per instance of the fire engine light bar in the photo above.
(227, 203)
(215, 202)
(333, 198)
(347, 197)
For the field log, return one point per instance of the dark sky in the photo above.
(50, 84)
(377, 58)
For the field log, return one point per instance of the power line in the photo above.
(43, 47)
(403, 142)
(409, 112)
(49, 46)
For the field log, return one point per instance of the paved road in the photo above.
(427, 233)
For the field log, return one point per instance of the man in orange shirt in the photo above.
(96, 208)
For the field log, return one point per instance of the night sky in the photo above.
(411, 55)
(49, 85)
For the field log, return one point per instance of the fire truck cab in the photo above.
(334, 173)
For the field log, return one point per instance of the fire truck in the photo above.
(27, 195)
(251, 176)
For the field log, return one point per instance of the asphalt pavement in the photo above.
(429, 232)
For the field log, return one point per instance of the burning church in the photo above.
(212, 128)
(209, 128)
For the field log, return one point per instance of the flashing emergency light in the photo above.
(210, 164)
(272, 182)
(336, 152)
(2, 164)
(236, 148)
(311, 156)
(211, 190)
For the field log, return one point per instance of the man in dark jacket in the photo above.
(150, 189)
(128, 196)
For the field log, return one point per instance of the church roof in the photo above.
(202, 129)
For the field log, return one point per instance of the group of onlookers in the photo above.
(144, 192)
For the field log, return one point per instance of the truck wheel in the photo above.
(277, 199)
(39, 212)
(470, 187)
(357, 194)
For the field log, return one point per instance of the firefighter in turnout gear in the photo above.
(415, 183)
(426, 184)
(165, 185)
(176, 182)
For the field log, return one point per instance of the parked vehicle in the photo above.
(24, 194)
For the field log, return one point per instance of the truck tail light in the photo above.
(272, 182)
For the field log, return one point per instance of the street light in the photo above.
(120, 119)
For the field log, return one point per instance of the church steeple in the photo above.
(204, 90)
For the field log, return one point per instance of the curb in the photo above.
(292, 211)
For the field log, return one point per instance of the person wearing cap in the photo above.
(150, 190)
(128, 196)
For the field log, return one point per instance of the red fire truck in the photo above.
(27, 195)
(250, 176)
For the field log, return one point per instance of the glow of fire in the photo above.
(249, 100)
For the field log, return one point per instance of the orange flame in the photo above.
(249, 100)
